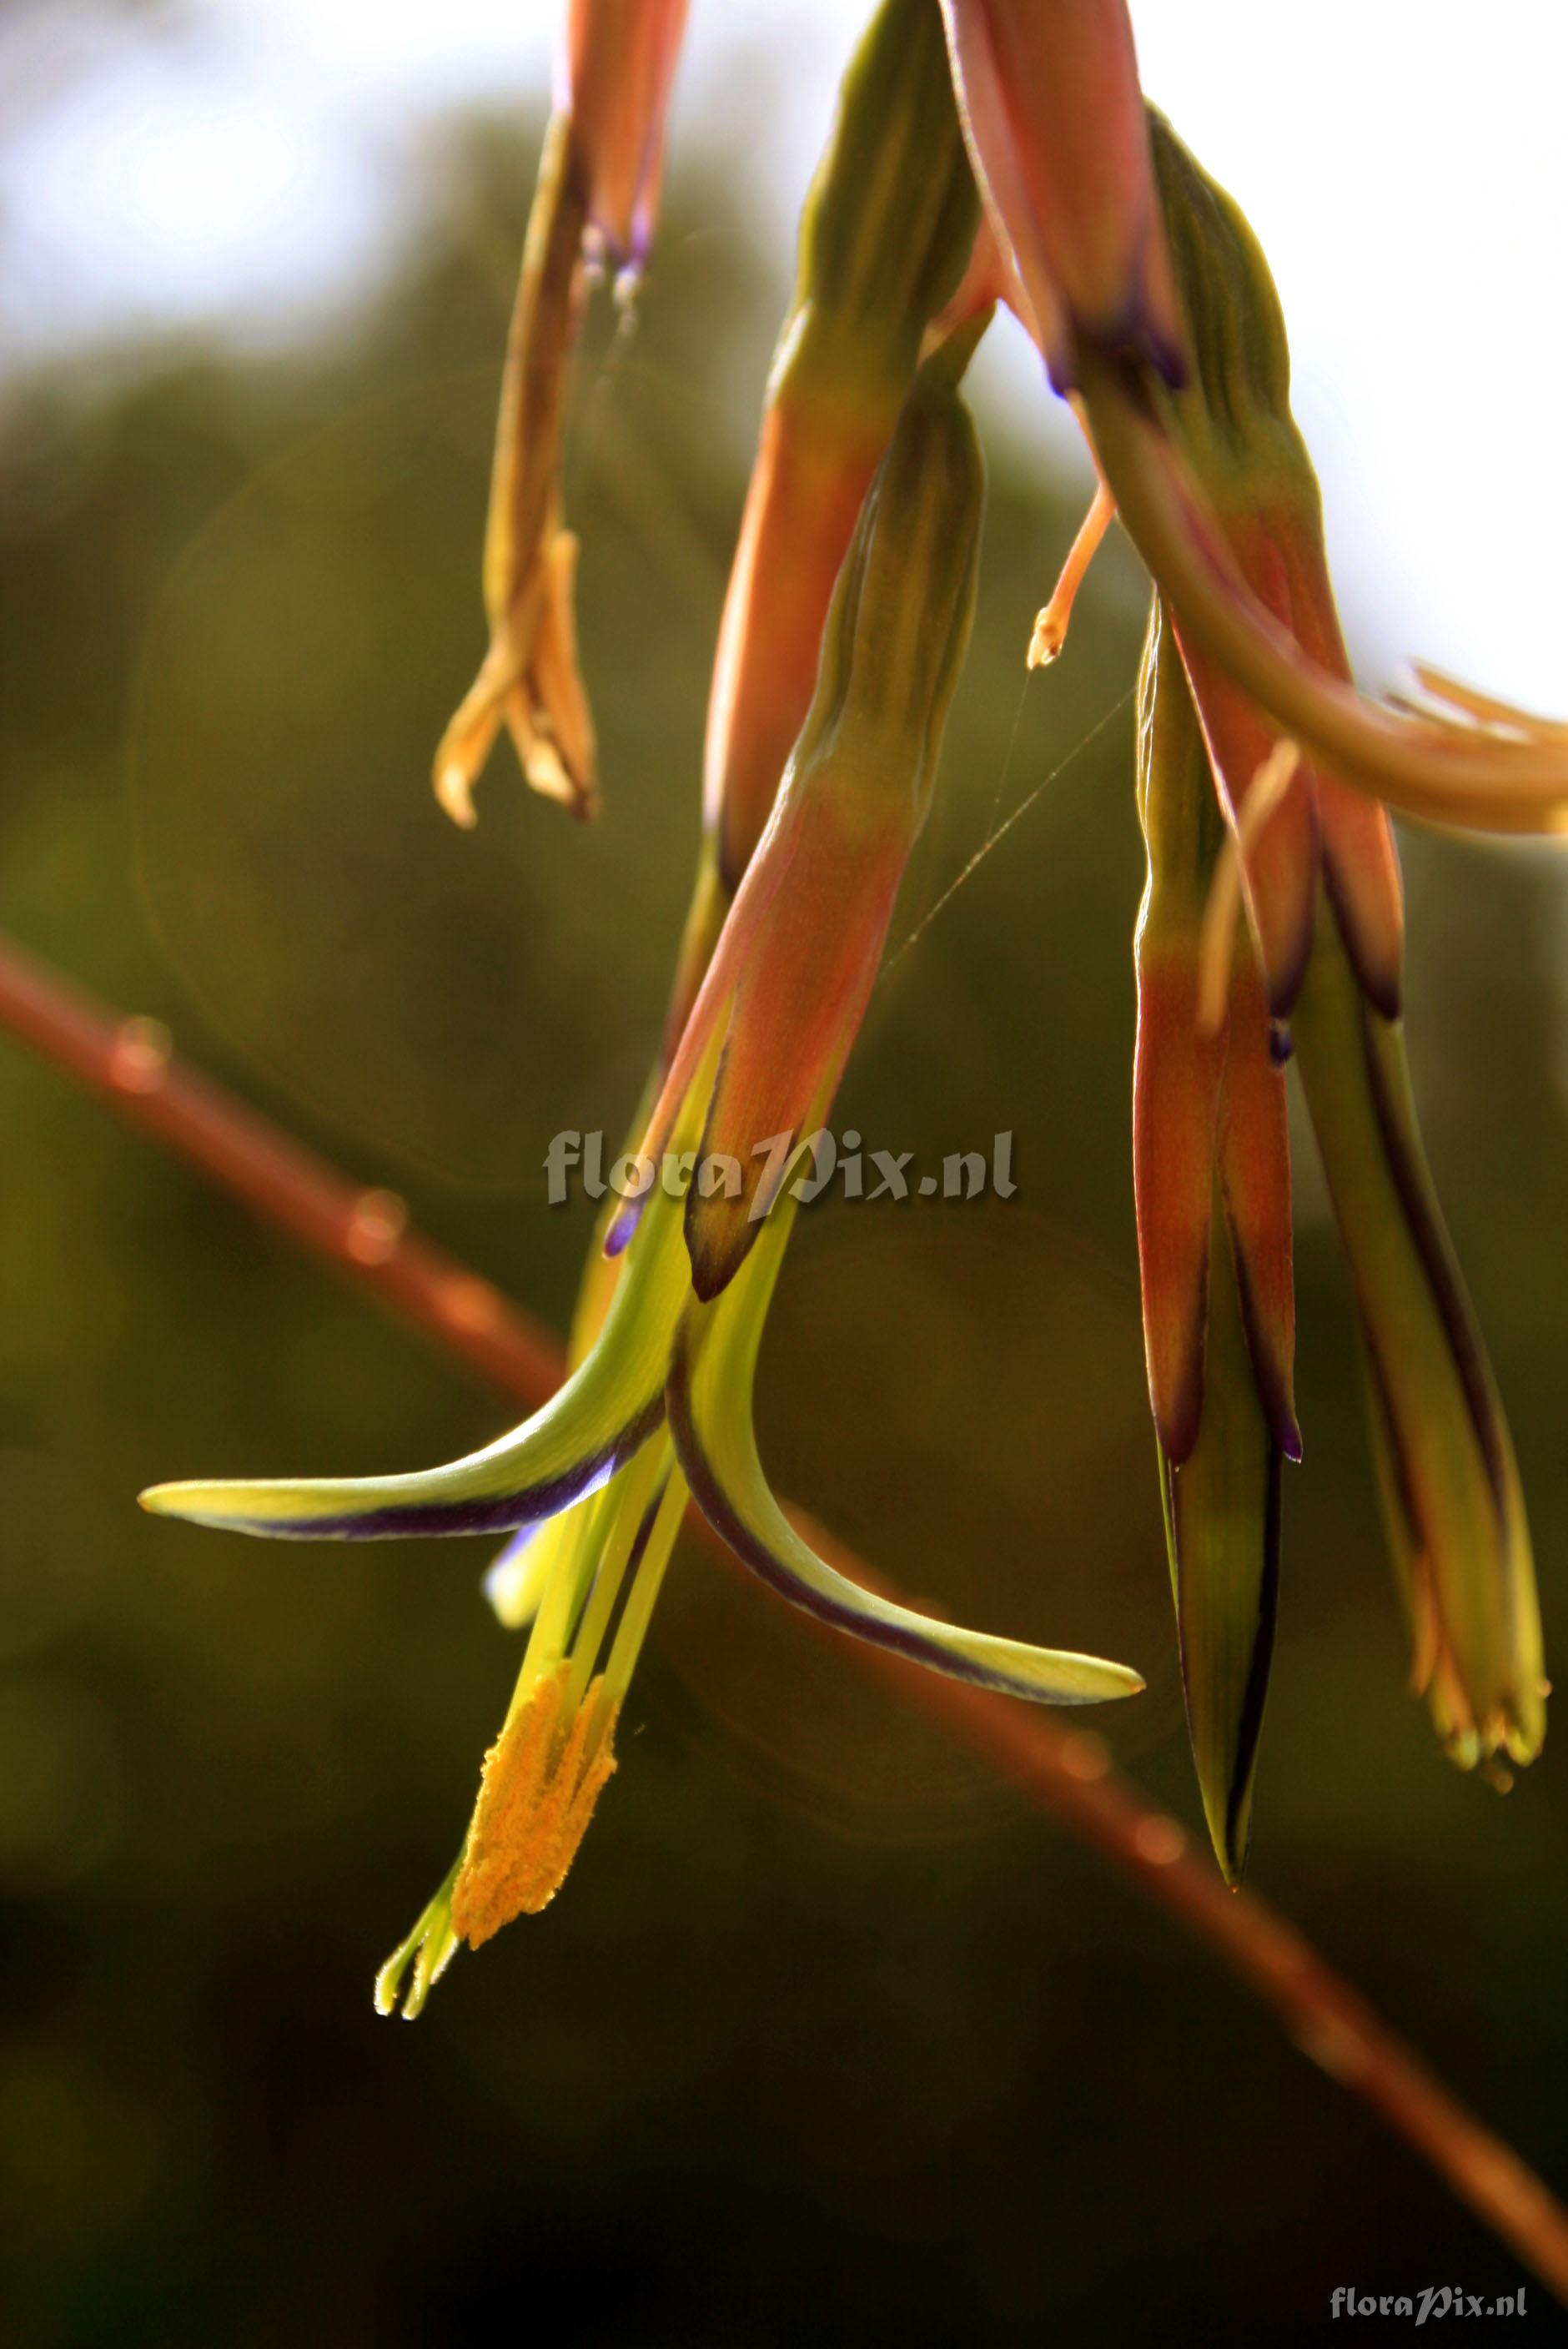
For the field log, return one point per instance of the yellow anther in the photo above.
(542, 1779)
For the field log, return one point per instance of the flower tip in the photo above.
(1046, 641)
(455, 796)
(618, 1237)
(718, 1244)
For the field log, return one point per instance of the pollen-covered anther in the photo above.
(542, 1779)
(1050, 633)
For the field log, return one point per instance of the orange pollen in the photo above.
(542, 1779)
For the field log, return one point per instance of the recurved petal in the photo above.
(597, 1420)
(709, 1405)
(1502, 778)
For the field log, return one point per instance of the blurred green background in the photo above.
(827, 2033)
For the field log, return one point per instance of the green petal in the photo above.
(1221, 1531)
(606, 1409)
(709, 1404)
(1451, 1484)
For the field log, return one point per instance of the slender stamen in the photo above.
(1269, 785)
(638, 1614)
(1051, 622)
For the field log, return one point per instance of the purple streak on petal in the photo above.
(899, 1640)
(500, 1513)
(1433, 1248)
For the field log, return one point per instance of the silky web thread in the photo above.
(999, 831)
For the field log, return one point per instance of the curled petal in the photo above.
(1500, 778)
(600, 1416)
(712, 1376)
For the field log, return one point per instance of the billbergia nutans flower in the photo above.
(984, 149)
(761, 1055)
(595, 202)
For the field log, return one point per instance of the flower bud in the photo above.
(1212, 1184)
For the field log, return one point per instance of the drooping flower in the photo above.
(595, 198)
(1064, 153)
(1318, 871)
(1213, 487)
(767, 1037)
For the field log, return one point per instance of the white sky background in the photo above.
(244, 165)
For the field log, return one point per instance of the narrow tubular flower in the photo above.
(1049, 94)
(597, 189)
(787, 981)
(1449, 1481)
(1211, 1186)
(1238, 557)
(766, 1039)
(884, 236)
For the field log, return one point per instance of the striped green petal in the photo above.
(604, 1411)
(712, 1378)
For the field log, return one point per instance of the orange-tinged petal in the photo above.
(1255, 1180)
(1175, 1092)
(620, 63)
(1052, 110)
(1280, 863)
(887, 228)
(806, 493)
(811, 962)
